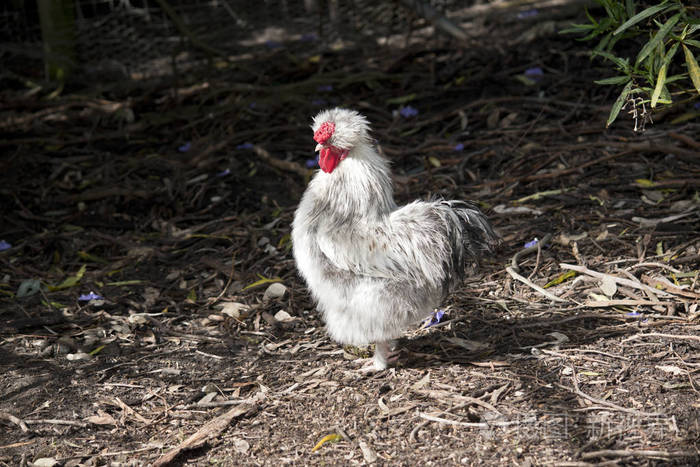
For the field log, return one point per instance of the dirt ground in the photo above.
(172, 201)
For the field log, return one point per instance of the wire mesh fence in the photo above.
(136, 39)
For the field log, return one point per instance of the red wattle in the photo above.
(330, 157)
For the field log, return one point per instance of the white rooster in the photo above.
(375, 268)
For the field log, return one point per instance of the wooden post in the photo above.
(57, 19)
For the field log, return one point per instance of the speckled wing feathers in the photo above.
(422, 243)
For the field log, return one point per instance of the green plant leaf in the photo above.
(603, 43)
(561, 278)
(90, 257)
(693, 68)
(692, 42)
(671, 53)
(590, 17)
(674, 78)
(263, 280)
(122, 283)
(577, 28)
(69, 281)
(658, 37)
(617, 106)
(642, 15)
(682, 118)
(661, 94)
(621, 63)
(613, 80)
(402, 99)
(660, 81)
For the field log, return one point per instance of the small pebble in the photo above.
(73, 357)
(275, 291)
(283, 316)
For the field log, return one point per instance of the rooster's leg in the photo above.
(385, 355)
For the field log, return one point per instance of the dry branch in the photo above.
(17, 421)
(659, 334)
(637, 453)
(536, 287)
(210, 430)
(630, 302)
(495, 423)
(280, 164)
(622, 281)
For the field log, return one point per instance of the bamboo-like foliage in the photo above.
(657, 74)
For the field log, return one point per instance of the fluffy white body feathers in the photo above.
(375, 268)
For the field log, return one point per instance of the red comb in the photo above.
(324, 132)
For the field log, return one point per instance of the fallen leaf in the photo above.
(283, 316)
(332, 438)
(671, 369)
(70, 281)
(28, 288)
(234, 309)
(565, 239)
(263, 280)
(608, 286)
(103, 418)
(598, 297)
(241, 446)
(368, 453)
(644, 182)
(561, 278)
(45, 462)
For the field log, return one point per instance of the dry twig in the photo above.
(536, 287)
(210, 430)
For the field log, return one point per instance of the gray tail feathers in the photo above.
(470, 236)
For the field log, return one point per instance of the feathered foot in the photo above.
(385, 355)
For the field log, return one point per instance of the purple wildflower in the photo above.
(532, 243)
(223, 173)
(528, 13)
(459, 147)
(535, 73)
(90, 296)
(311, 163)
(435, 318)
(272, 44)
(245, 146)
(408, 111)
(185, 147)
(4, 245)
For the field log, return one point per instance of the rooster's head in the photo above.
(337, 132)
